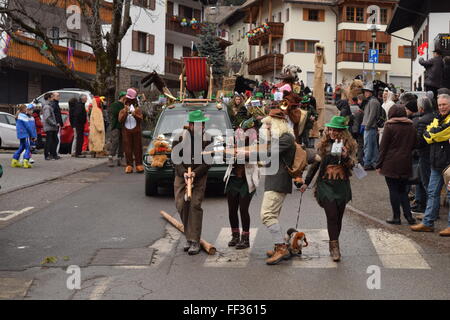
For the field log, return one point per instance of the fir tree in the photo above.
(209, 46)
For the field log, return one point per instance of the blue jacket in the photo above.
(25, 126)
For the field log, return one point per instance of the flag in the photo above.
(421, 48)
(70, 58)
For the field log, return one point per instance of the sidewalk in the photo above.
(18, 178)
(371, 200)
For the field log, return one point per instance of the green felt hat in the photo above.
(259, 95)
(306, 99)
(197, 116)
(337, 122)
(122, 94)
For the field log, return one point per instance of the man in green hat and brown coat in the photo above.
(190, 166)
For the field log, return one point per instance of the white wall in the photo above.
(148, 21)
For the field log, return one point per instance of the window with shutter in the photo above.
(170, 9)
(152, 4)
(197, 15)
(135, 41)
(169, 50)
(150, 44)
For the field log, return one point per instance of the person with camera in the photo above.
(130, 117)
(337, 150)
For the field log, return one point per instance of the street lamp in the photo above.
(363, 49)
(374, 28)
(274, 63)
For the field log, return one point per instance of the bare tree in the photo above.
(21, 16)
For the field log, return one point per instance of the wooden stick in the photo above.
(209, 248)
(189, 185)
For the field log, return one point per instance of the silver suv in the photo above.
(64, 96)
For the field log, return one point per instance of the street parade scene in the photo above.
(253, 164)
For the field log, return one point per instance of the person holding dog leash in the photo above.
(337, 150)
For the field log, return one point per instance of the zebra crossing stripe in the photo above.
(316, 254)
(396, 251)
(227, 257)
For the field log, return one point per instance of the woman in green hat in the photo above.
(337, 150)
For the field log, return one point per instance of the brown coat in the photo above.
(96, 130)
(398, 141)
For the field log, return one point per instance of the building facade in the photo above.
(428, 20)
(294, 27)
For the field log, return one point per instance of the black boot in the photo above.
(410, 219)
(235, 238)
(244, 243)
(395, 219)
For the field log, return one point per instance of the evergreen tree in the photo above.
(209, 46)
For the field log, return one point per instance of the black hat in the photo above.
(438, 51)
(412, 106)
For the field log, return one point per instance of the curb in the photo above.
(408, 233)
(33, 184)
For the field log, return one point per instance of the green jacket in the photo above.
(114, 110)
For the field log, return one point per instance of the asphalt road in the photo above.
(76, 218)
(101, 221)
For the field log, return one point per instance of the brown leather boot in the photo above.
(129, 169)
(445, 232)
(334, 250)
(422, 228)
(139, 168)
(281, 252)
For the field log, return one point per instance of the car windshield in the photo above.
(176, 120)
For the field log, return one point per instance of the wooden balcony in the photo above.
(106, 8)
(275, 30)
(358, 57)
(176, 26)
(84, 62)
(172, 66)
(265, 64)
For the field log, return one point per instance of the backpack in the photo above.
(299, 164)
(382, 117)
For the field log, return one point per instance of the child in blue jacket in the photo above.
(26, 131)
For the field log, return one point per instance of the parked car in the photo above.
(64, 96)
(66, 133)
(171, 120)
(8, 135)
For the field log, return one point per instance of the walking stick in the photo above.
(189, 186)
(209, 248)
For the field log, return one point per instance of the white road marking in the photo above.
(14, 213)
(165, 245)
(396, 251)
(100, 289)
(316, 254)
(227, 257)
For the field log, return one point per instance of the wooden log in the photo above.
(209, 248)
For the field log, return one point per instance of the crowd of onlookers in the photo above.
(406, 138)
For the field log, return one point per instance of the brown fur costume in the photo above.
(354, 90)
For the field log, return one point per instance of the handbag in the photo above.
(415, 177)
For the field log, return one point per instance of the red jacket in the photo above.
(38, 122)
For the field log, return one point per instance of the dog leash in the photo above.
(299, 209)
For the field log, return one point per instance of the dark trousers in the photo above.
(132, 146)
(434, 89)
(237, 203)
(360, 140)
(398, 194)
(80, 137)
(335, 213)
(51, 143)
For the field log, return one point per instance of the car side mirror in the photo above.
(147, 134)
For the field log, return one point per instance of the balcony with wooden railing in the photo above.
(173, 24)
(265, 64)
(106, 8)
(358, 57)
(172, 66)
(84, 62)
(275, 31)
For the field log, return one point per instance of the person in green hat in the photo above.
(116, 131)
(186, 155)
(337, 150)
(311, 118)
